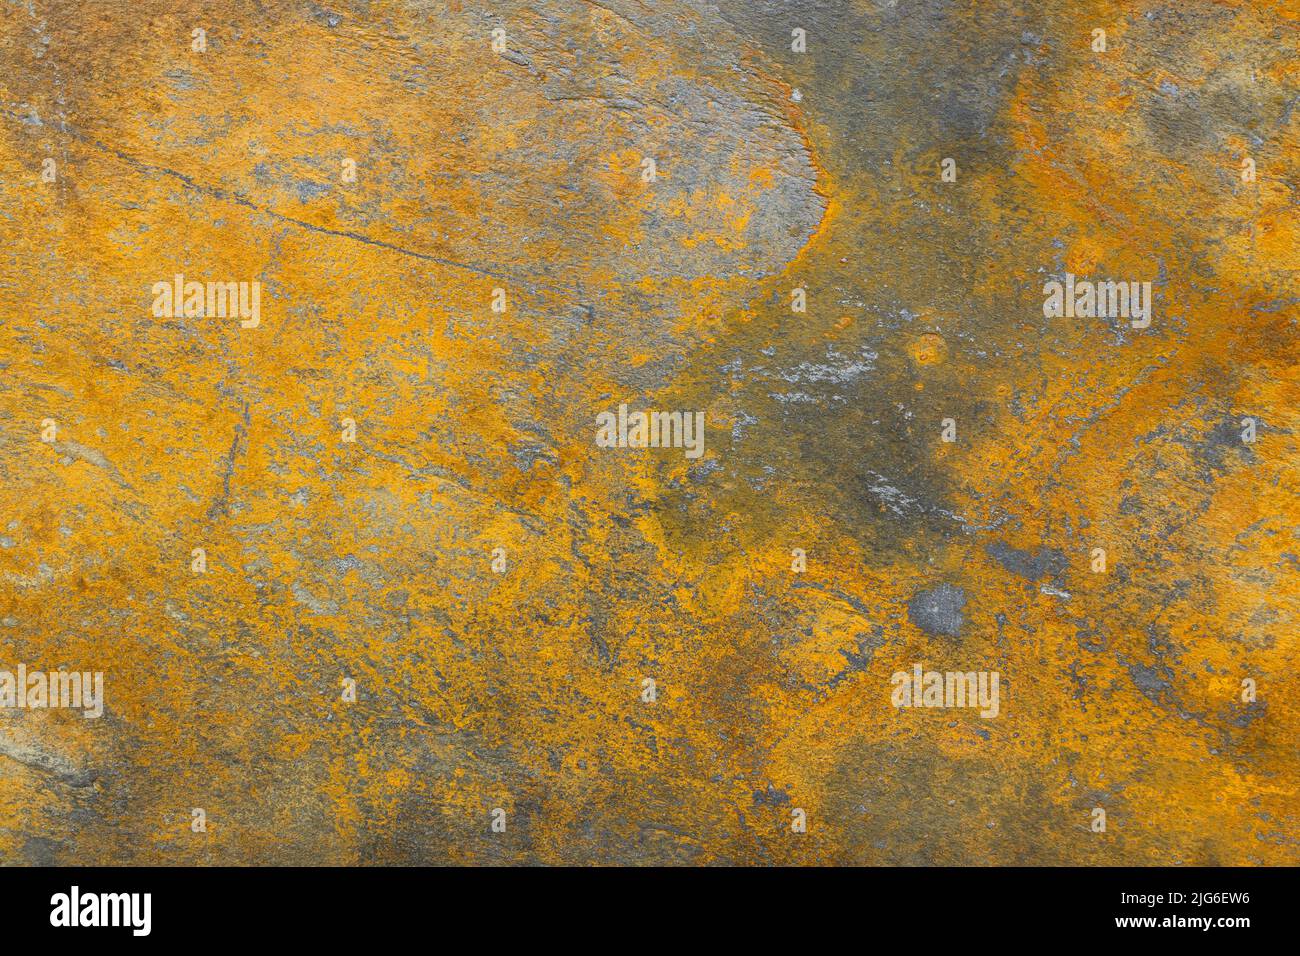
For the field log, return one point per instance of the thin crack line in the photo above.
(225, 195)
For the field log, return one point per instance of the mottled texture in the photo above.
(523, 690)
(938, 611)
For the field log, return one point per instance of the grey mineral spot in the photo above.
(772, 797)
(1029, 565)
(1149, 681)
(938, 610)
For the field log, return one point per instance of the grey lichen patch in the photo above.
(1150, 681)
(771, 797)
(1030, 565)
(938, 611)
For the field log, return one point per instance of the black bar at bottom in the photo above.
(335, 907)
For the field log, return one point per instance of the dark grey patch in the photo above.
(1220, 441)
(1178, 121)
(1080, 682)
(1275, 305)
(860, 659)
(597, 624)
(1158, 643)
(517, 58)
(651, 740)
(903, 503)
(40, 851)
(771, 797)
(1250, 713)
(1030, 566)
(526, 455)
(327, 17)
(1150, 681)
(700, 473)
(938, 610)
(308, 190)
(966, 115)
(272, 177)
(1090, 641)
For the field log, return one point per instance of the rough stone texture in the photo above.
(938, 611)
(522, 691)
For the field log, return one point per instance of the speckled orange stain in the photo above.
(522, 690)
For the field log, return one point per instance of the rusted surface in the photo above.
(522, 170)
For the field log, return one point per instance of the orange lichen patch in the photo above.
(928, 349)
